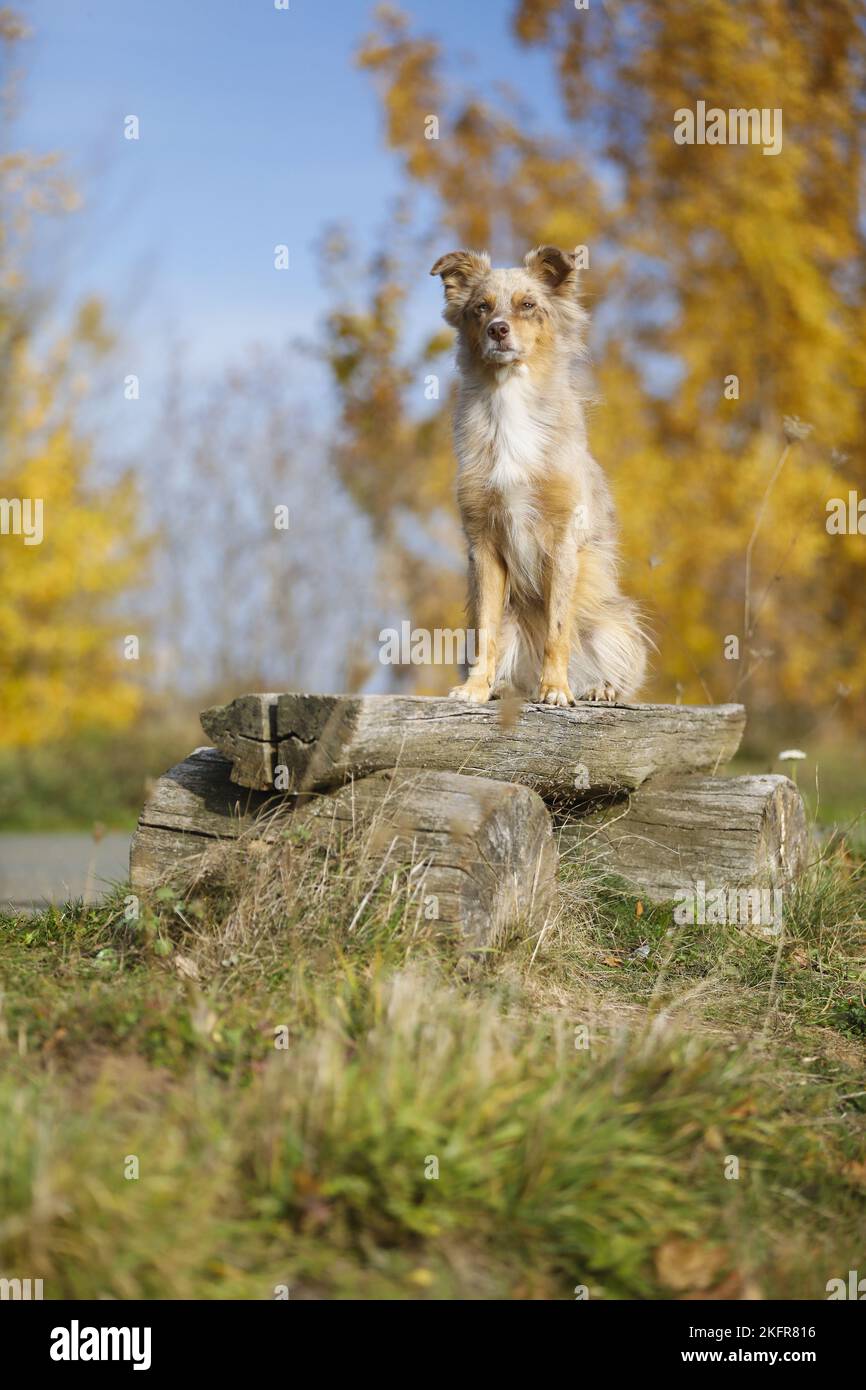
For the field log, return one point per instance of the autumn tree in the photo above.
(729, 292)
(68, 548)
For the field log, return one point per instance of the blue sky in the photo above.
(255, 129)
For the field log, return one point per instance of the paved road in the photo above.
(58, 866)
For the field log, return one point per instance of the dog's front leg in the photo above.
(486, 601)
(560, 595)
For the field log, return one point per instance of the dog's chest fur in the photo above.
(502, 446)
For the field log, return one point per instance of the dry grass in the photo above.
(581, 1099)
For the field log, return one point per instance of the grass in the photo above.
(95, 777)
(831, 779)
(320, 1101)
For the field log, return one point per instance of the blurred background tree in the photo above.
(62, 666)
(179, 546)
(706, 262)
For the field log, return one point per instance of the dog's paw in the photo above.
(603, 692)
(554, 694)
(475, 690)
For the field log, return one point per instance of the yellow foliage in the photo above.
(61, 657)
(67, 548)
(708, 262)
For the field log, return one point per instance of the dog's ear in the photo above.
(554, 268)
(459, 271)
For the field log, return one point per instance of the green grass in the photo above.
(831, 779)
(559, 1164)
(93, 778)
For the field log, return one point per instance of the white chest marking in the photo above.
(517, 440)
(516, 436)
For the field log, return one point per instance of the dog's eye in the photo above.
(483, 308)
(528, 304)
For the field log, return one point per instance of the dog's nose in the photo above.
(498, 330)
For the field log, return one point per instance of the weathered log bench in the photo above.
(318, 741)
(474, 797)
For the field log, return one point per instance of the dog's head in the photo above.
(512, 316)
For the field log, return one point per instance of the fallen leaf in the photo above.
(186, 967)
(855, 1172)
(305, 1182)
(744, 1109)
(688, 1264)
(731, 1287)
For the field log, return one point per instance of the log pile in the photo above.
(481, 801)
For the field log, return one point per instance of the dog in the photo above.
(544, 601)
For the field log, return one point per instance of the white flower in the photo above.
(794, 428)
(790, 755)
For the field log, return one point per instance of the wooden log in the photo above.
(675, 833)
(245, 732)
(317, 742)
(189, 809)
(481, 852)
(479, 855)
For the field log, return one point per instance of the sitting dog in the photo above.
(544, 601)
